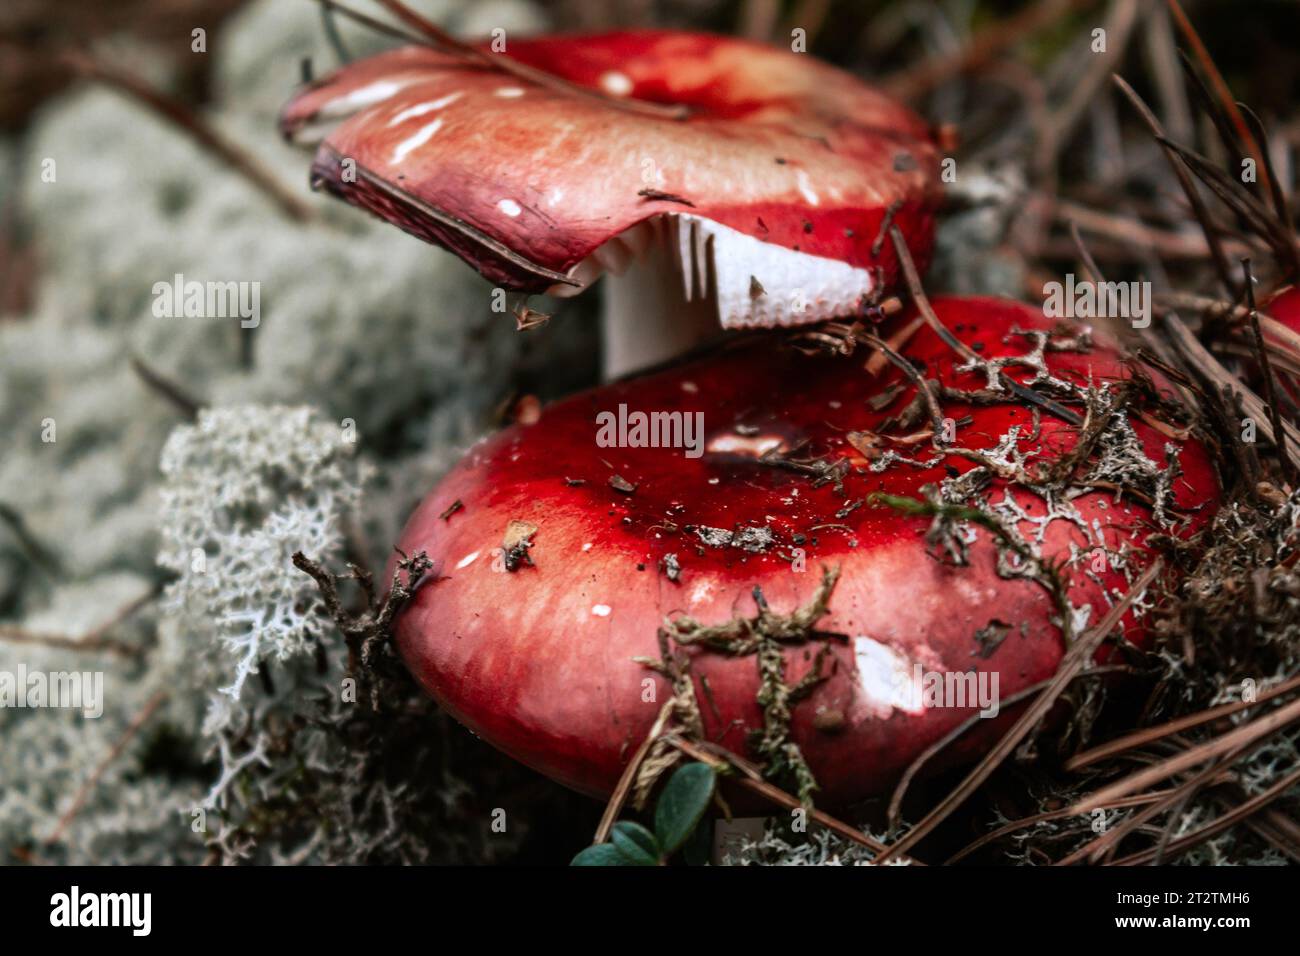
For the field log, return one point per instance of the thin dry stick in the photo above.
(896, 341)
(186, 119)
(1120, 20)
(757, 19)
(1258, 215)
(1125, 229)
(1074, 661)
(916, 378)
(1245, 734)
(185, 403)
(1109, 842)
(33, 549)
(1229, 819)
(83, 793)
(371, 23)
(1089, 263)
(619, 797)
(810, 16)
(1280, 205)
(92, 641)
(1045, 817)
(1162, 57)
(1266, 369)
(1185, 181)
(1206, 365)
(1216, 79)
(1149, 735)
(1276, 827)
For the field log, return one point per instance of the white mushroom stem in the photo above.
(675, 281)
(647, 317)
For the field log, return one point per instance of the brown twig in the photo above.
(1199, 360)
(1227, 820)
(1108, 842)
(83, 793)
(625, 782)
(1194, 199)
(1212, 74)
(185, 403)
(908, 369)
(1045, 817)
(1266, 370)
(1120, 20)
(31, 546)
(93, 641)
(370, 629)
(183, 117)
(1149, 735)
(1247, 733)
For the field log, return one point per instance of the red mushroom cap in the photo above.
(776, 183)
(1285, 307)
(555, 572)
(1283, 333)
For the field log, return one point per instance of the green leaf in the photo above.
(600, 854)
(682, 803)
(636, 843)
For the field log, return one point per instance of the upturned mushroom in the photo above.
(853, 561)
(719, 183)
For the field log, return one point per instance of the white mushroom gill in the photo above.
(675, 280)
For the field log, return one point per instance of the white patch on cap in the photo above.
(509, 207)
(701, 592)
(424, 134)
(325, 119)
(886, 678)
(600, 610)
(615, 83)
(367, 95)
(805, 188)
(467, 560)
(422, 108)
(729, 443)
(509, 92)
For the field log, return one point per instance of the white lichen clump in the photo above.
(819, 848)
(244, 489)
(234, 696)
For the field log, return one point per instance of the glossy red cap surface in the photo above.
(525, 181)
(538, 660)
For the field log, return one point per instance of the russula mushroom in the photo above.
(763, 206)
(567, 556)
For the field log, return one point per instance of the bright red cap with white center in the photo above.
(561, 547)
(767, 199)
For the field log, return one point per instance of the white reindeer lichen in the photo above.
(243, 489)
